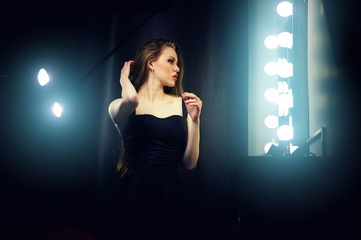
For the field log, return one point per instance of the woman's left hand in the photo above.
(193, 104)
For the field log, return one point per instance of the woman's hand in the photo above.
(129, 94)
(194, 107)
(126, 70)
(193, 104)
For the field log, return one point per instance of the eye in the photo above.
(171, 61)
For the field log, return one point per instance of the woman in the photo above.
(159, 125)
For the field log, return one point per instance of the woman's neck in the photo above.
(152, 91)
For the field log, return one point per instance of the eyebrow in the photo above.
(173, 58)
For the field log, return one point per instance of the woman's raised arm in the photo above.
(121, 108)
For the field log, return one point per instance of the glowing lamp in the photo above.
(43, 77)
(271, 42)
(271, 68)
(57, 109)
(271, 121)
(284, 9)
(271, 95)
(285, 133)
(285, 69)
(285, 39)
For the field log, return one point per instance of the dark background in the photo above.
(55, 172)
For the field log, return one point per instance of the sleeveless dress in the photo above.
(148, 197)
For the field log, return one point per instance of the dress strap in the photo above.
(184, 108)
(132, 115)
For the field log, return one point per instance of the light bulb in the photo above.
(285, 133)
(57, 109)
(43, 77)
(284, 9)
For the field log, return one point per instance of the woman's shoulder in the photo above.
(173, 96)
(174, 100)
(113, 103)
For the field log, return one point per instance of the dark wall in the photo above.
(48, 164)
(345, 32)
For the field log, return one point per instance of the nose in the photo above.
(176, 69)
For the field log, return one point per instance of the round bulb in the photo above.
(271, 42)
(285, 39)
(285, 100)
(271, 68)
(57, 109)
(271, 95)
(43, 77)
(285, 69)
(284, 9)
(271, 121)
(285, 133)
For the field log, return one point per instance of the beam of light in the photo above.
(57, 109)
(284, 9)
(285, 133)
(43, 77)
(271, 121)
(271, 95)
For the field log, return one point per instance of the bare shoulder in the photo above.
(173, 97)
(113, 111)
(113, 105)
(174, 104)
(118, 100)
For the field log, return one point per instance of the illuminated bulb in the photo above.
(271, 121)
(271, 68)
(284, 9)
(285, 102)
(285, 69)
(285, 39)
(43, 77)
(285, 133)
(271, 95)
(285, 87)
(280, 87)
(57, 109)
(271, 42)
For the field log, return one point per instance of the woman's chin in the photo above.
(170, 85)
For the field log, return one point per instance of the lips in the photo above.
(175, 77)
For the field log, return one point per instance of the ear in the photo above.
(150, 65)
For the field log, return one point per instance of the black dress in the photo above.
(148, 200)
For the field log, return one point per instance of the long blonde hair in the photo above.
(150, 51)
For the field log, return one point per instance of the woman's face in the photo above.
(166, 68)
